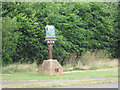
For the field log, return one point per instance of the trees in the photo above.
(9, 39)
(79, 27)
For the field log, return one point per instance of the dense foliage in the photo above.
(79, 27)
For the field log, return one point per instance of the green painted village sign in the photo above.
(50, 66)
(50, 31)
(50, 38)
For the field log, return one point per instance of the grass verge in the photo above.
(60, 84)
(113, 72)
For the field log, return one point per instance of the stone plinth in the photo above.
(50, 67)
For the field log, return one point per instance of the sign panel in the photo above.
(50, 31)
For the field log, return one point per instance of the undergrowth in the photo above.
(91, 61)
(87, 61)
(16, 67)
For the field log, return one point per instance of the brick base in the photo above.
(50, 67)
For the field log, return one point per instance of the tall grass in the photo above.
(91, 61)
(17, 67)
(87, 61)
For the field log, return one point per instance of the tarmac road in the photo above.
(46, 81)
(107, 85)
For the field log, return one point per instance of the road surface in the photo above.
(46, 81)
(108, 85)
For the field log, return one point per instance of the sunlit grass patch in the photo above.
(113, 72)
(16, 67)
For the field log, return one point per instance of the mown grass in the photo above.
(113, 72)
(94, 67)
(20, 72)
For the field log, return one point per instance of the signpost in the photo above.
(50, 38)
(50, 66)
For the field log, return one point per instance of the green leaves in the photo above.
(10, 35)
(79, 27)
